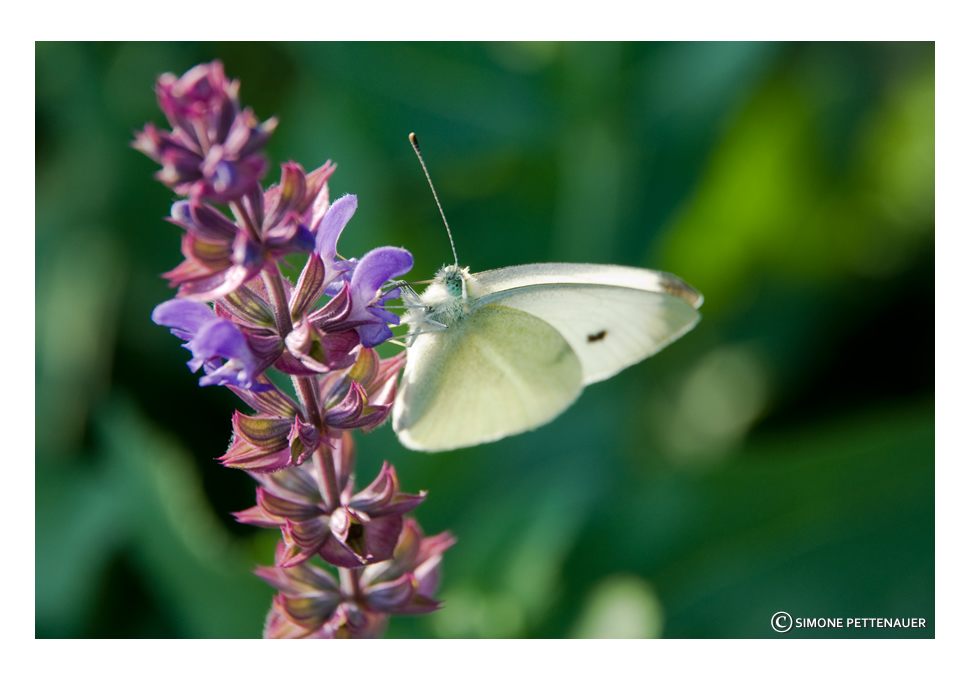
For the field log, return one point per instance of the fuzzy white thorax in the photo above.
(443, 303)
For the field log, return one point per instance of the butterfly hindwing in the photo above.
(496, 372)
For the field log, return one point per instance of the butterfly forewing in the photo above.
(608, 327)
(507, 278)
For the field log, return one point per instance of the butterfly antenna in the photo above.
(415, 145)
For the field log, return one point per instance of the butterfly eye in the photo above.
(454, 285)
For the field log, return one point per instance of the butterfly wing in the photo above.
(509, 278)
(496, 372)
(612, 317)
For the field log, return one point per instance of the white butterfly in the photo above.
(505, 351)
(508, 350)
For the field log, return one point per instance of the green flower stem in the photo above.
(307, 393)
(328, 475)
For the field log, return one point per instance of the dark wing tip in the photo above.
(677, 287)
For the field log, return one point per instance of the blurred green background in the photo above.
(778, 458)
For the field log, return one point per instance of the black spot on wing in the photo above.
(596, 337)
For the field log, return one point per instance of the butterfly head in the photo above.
(443, 303)
(455, 280)
(449, 295)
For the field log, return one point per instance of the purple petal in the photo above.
(264, 346)
(267, 398)
(291, 191)
(245, 456)
(320, 204)
(329, 228)
(179, 168)
(339, 272)
(418, 604)
(308, 287)
(256, 517)
(289, 237)
(246, 307)
(435, 545)
(221, 338)
(383, 314)
(311, 612)
(381, 535)
(427, 575)
(392, 294)
(278, 626)
(304, 579)
(230, 374)
(308, 535)
(338, 554)
(389, 596)
(290, 365)
(374, 334)
(203, 220)
(377, 495)
(331, 316)
(403, 502)
(294, 483)
(258, 136)
(377, 267)
(248, 253)
(267, 433)
(373, 271)
(216, 285)
(185, 315)
(283, 509)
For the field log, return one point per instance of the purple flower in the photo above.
(312, 352)
(212, 154)
(300, 450)
(309, 202)
(375, 269)
(327, 225)
(221, 255)
(262, 444)
(348, 620)
(358, 398)
(362, 529)
(211, 339)
(366, 276)
(406, 583)
(377, 381)
(213, 150)
(311, 603)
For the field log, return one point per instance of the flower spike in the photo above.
(250, 329)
